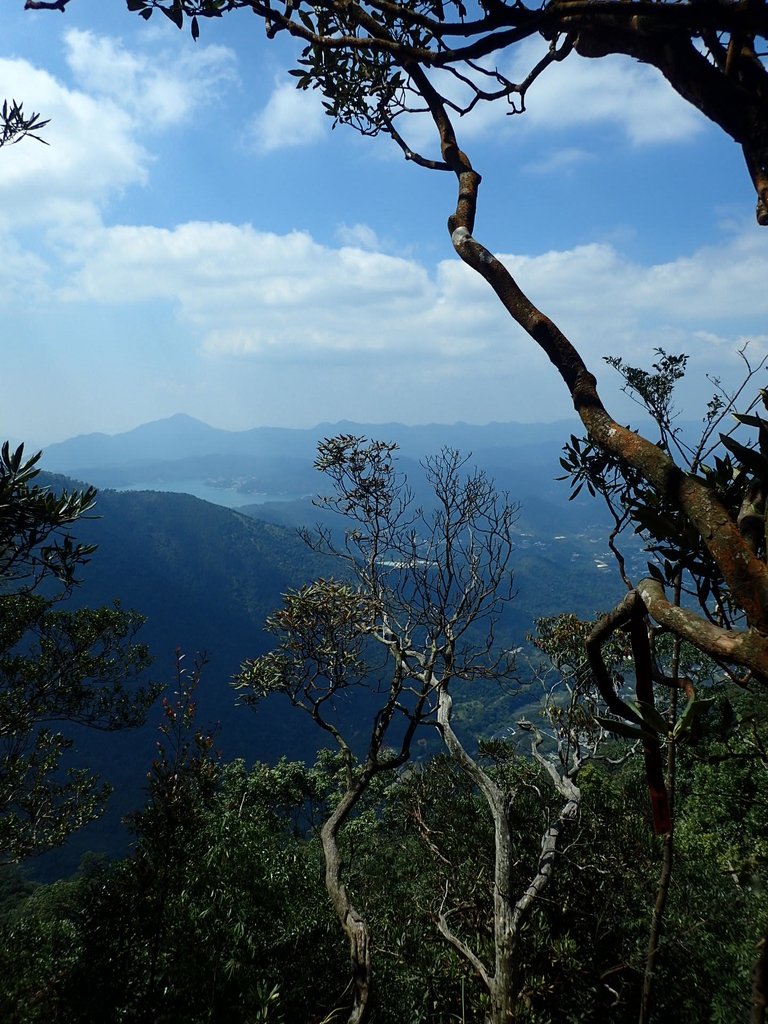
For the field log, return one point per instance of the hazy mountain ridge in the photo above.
(176, 436)
(241, 468)
(180, 446)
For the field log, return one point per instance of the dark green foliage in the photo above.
(15, 125)
(15, 888)
(223, 902)
(218, 916)
(56, 665)
(35, 525)
(583, 953)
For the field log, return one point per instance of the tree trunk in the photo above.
(354, 924)
(509, 915)
(504, 1001)
(760, 984)
(356, 929)
(654, 938)
(665, 877)
(504, 984)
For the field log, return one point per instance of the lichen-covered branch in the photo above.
(567, 788)
(352, 921)
(460, 945)
(748, 648)
(509, 914)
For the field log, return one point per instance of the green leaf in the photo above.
(655, 572)
(693, 710)
(652, 718)
(750, 459)
(625, 729)
(175, 15)
(660, 525)
(748, 421)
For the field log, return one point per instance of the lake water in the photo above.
(229, 497)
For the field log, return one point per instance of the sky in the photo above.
(197, 238)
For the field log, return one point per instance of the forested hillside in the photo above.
(221, 894)
(206, 578)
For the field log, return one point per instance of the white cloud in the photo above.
(158, 89)
(612, 90)
(24, 280)
(291, 117)
(280, 328)
(359, 235)
(96, 132)
(247, 291)
(92, 148)
(704, 304)
(251, 294)
(558, 161)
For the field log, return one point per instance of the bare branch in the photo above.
(458, 944)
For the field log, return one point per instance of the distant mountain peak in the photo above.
(146, 452)
(179, 417)
(179, 420)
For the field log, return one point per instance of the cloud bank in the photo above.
(298, 325)
(261, 295)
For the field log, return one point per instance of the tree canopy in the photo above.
(56, 665)
(376, 60)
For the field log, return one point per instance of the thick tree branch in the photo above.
(745, 574)
(738, 103)
(46, 5)
(599, 634)
(354, 924)
(654, 769)
(748, 648)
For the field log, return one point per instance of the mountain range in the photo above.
(182, 436)
(206, 576)
(279, 461)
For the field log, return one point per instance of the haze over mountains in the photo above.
(182, 436)
(206, 576)
(237, 468)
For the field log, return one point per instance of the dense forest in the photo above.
(219, 909)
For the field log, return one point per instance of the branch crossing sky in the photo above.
(196, 238)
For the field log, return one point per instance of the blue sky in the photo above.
(197, 239)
